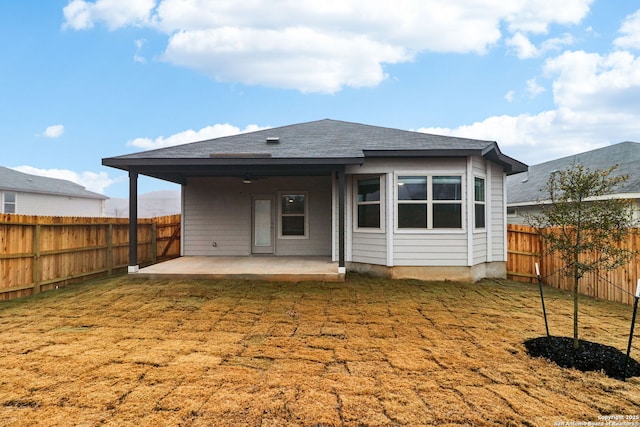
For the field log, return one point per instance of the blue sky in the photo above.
(82, 80)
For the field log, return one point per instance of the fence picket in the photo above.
(38, 253)
(525, 249)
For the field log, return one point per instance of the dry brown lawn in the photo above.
(368, 352)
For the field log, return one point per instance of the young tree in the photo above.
(584, 225)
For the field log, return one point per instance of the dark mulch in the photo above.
(589, 356)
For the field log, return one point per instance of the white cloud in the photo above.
(82, 15)
(54, 131)
(92, 181)
(533, 88)
(525, 49)
(630, 31)
(321, 45)
(509, 96)
(597, 98)
(185, 137)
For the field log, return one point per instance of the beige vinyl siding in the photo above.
(479, 247)
(219, 210)
(370, 248)
(497, 218)
(318, 242)
(430, 249)
(54, 205)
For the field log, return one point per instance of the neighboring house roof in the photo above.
(13, 180)
(527, 187)
(323, 142)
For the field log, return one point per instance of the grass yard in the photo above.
(367, 352)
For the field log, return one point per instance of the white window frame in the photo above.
(430, 202)
(14, 203)
(306, 215)
(476, 202)
(381, 203)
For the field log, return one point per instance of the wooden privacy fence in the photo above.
(525, 248)
(40, 253)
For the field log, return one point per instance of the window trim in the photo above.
(477, 202)
(304, 236)
(430, 201)
(381, 203)
(14, 203)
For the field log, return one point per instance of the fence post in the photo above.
(110, 249)
(154, 242)
(37, 264)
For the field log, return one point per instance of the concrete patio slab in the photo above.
(270, 268)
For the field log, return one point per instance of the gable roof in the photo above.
(526, 188)
(13, 180)
(321, 143)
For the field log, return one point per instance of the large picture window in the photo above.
(8, 202)
(426, 202)
(479, 203)
(293, 215)
(368, 203)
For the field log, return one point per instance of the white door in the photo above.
(263, 219)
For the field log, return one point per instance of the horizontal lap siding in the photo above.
(498, 225)
(430, 249)
(370, 248)
(52, 205)
(319, 241)
(219, 210)
(479, 248)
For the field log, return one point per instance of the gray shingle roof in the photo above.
(527, 187)
(326, 140)
(13, 180)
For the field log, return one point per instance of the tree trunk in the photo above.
(576, 342)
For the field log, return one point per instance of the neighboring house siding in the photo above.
(52, 205)
(219, 210)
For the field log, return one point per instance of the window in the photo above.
(293, 215)
(447, 211)
(9, 203)
(479, 202)
(429, 202)
(412, 202)
(368, 203)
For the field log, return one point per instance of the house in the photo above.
(150, 205)
(525, 189)
(22, 193)
(372, 199)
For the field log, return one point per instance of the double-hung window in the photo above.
(479, 202)
(368, 203)
(447, 201)
(293, 218)
(429, 202)
(412, 202)
(8, 202)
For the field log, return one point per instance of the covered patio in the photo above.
(268, 268)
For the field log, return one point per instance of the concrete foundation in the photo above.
(457, 274)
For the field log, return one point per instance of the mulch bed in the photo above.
(589, 356)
